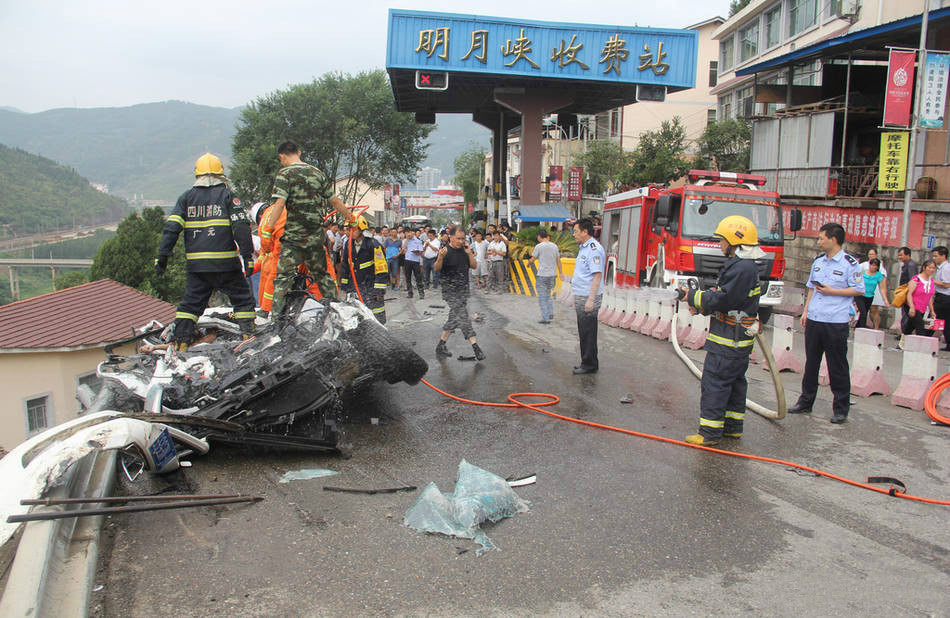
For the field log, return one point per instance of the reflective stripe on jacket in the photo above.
(733, 306)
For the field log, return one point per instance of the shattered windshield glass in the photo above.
(701, 215)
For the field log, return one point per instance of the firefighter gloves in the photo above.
(161, 263)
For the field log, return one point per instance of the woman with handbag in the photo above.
(920, 301)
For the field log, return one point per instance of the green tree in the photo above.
(70, 278)
(469, 168)
(604, 162)
(659, 156)
(737, 5)
(345, 125)
(129, 257)
(725, 146)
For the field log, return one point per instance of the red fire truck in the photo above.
(664, 237)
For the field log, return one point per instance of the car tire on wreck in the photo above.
(394, 360)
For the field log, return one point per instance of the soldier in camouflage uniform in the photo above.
(307, 196)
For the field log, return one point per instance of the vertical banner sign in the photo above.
(556, 186)
(900, 88)
(892, 170)
(388, 197)
(574, 180)
(934, 98)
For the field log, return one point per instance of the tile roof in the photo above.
(85, 315)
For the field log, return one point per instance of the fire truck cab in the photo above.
(663, 237)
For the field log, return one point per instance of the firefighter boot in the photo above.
(441, 350)
(732, 434)
(699, 440)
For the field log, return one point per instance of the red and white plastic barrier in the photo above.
(663, 324)
(867, 363)
(783, 343)
(698, 329)
(918, 372)
(607, 304)
(653, 314)
(683, 320)
(620, 308)
(643, 311)
(633, 308)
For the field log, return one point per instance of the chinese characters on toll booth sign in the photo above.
(892, 170)
(436, 41)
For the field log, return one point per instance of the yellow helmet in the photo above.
(737, 230)
(208, 164)
(359, 222)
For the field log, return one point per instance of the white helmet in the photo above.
(256, 211)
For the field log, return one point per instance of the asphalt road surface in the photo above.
(618, 525)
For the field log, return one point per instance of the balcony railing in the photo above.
(822, 182)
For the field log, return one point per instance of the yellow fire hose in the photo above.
(749, 404)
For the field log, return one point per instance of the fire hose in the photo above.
(761, 410)
(933, 394)
(514, 401)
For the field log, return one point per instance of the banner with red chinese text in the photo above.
(575, 180)
(861, 225)
(892, 163)
(899, 91)
(556, 183)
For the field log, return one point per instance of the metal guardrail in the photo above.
(54, 568)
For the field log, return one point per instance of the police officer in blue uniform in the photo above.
(218, 249)
(733, 305)
(588, 292)
(834, 281)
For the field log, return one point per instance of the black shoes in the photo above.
(799, 408)
(422, 294)
(582, 370)
(837, 419)
(479, 355)
(544, 321)
(441, 350)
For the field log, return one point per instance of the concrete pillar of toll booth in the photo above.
(499, 123)
(533, 105)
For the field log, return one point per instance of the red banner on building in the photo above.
(899, 91)
(575, 181)
(556, 184)
(865, 225)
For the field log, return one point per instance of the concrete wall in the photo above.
(32, 374)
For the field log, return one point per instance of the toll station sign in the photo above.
(476, 44)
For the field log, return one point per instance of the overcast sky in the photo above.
(109, 53)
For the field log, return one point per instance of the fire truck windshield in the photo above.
(702, 215)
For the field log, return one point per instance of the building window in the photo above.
(725, 53)
(37, 415)
(710, 117)
(749, 42)
(713, 73)
(773, 26)
(802, 14)
(725, 107)
(808, 74)
(746, 106)
(93, 381)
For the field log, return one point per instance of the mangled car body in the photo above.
(283, 387)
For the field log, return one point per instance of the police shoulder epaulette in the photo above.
(851, 259)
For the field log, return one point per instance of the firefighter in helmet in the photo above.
(365, 259)
(218, 249)
(733, 306)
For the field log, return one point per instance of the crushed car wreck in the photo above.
(283, 387)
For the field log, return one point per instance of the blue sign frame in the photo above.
(422, 40)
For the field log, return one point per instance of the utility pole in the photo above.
(915, 122)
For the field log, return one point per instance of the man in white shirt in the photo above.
(431, 246)
(480, 247)
(497, 251)
(942, 292)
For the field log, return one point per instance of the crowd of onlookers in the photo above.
(411, 255)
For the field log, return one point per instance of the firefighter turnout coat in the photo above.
(733, 306)
(216, 230)
(372, 274)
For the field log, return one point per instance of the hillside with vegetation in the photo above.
(41, 195)
(144, 150)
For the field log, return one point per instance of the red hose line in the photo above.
(933, 394)
(553, 399)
